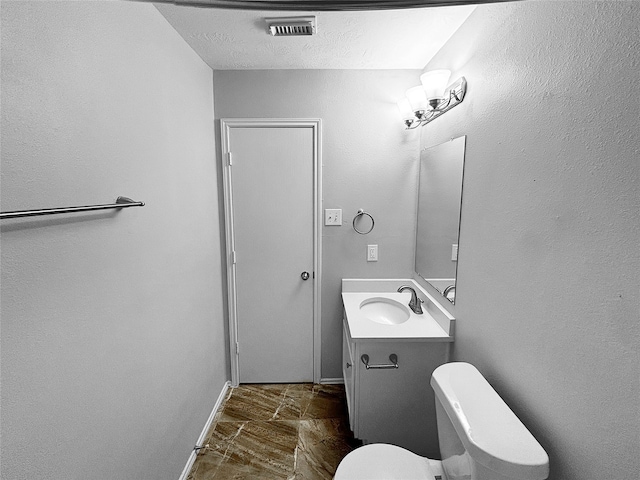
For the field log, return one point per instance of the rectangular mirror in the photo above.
(438, 219)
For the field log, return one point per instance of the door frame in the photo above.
(226, 124)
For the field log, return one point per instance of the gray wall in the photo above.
(369, 162)
(113, 345)
(547, 300)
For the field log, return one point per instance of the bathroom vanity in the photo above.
(389, 353)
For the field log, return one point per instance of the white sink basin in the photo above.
(384, 310)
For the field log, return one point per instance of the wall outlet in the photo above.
(372, 253)
(333, 216)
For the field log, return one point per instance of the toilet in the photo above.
(480, 439)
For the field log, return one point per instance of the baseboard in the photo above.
(332, 381)
(205, 430)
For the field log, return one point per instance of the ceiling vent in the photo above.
(291, 26)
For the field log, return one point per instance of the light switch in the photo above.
(372, 253)
(333, 216)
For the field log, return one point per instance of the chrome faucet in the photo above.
(415, 302)
(450, 288)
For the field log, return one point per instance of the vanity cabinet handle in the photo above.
(393, 358)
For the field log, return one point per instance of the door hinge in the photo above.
(229, 160)
(237, 348)
(313, 274)
(233, 257)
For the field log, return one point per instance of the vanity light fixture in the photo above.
(428, 101)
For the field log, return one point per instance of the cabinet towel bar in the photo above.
(393, 358)
(121, 202)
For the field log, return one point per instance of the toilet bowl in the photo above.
(380, 461)
(480, 439)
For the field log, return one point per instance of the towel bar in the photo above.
(121, 202)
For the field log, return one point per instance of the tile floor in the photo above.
(281, 431)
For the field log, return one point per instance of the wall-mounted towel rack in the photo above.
(121, 202)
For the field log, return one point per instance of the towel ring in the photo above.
(361, 213)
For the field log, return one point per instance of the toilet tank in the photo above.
(480, 437)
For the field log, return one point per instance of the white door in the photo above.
(271, 188)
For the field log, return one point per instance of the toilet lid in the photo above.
(380, 461)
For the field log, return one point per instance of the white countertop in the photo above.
(417, 328)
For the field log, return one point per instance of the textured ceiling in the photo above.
(391, 39)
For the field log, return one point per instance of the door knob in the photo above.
(304, 275)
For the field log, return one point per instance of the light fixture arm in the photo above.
(411, 124)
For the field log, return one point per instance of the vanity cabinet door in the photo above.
(347, 373)
(397, 406)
